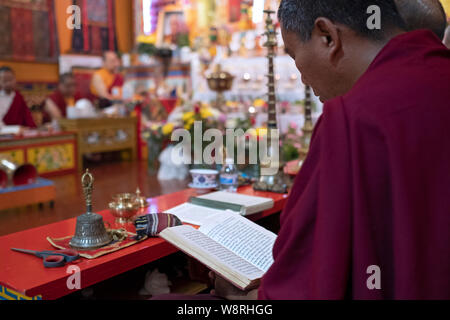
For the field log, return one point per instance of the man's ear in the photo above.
(329, 36)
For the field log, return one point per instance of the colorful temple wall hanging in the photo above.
(28, 30)
(98, 27)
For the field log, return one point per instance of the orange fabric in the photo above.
(64, 33)
(107, 77)
(111, 81)
(124, 25)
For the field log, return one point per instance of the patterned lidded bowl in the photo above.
(204, 178)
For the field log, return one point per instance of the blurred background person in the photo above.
(56, 104)
(13, 108)
(107, 82)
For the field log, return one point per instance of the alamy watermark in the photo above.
(74, 280)
(374, 280)
(74, 20)
(374, 21)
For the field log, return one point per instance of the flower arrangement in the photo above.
(209, 117)
(159, 132)
(157, 136)
(259, 103)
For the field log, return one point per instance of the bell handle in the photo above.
(87, 182)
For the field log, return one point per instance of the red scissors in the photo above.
(53, 259)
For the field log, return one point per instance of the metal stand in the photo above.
(308, 127)
(273, 183)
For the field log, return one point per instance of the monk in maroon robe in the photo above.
(56, 104)
(369, 214)
(107, 83)
(13, 108)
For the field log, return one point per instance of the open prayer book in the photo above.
(230, 245)
(202, 208)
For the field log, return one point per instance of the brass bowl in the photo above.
(124, 197)
(124, 208)
(220, 81)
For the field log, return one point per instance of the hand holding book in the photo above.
(232, 246)
(226, 290)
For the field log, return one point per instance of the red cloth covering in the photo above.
(63, 243)
(375, 188)
(19, 114)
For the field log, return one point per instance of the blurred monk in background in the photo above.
(107, 82)
(13, 108)
(56, 104)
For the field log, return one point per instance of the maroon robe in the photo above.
(375, 188)
(18, 113)
(118, 82)
(59, 100)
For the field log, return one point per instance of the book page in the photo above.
(243, 237)
(193, 214)
(197, 241)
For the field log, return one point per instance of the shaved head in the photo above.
(111, 61)
(423, 14)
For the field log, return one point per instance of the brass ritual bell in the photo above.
(90, 232)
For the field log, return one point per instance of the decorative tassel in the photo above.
(152, 224)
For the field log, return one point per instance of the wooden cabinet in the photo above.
(103, 135)
(51, 154)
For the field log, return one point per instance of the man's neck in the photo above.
(364, 57)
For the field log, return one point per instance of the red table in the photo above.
(26, 275)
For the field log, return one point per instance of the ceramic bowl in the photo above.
(204, 178)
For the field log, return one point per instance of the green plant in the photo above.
(147, 48)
